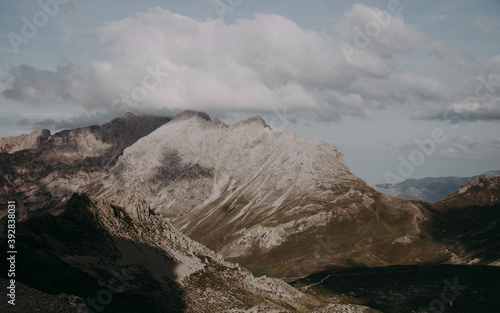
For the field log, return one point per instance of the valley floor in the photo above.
(406, 289)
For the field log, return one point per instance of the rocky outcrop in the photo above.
(32, 140)
(40, 170)
(482, 191)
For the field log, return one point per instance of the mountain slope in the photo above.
(468, 222)
(430, 189)
(143, 265)
(482, 191)
(265, 199)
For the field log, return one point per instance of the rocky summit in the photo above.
(265, 199)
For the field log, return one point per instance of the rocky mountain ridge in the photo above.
(482, 191)
(468, 222)
(24, 142)
(251, 193)
(40, 170)
(270, 201)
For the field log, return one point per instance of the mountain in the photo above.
(122, 265)
(468, 222)
(182, 203)
(270, 201)
(24, 142)
(482, 191)
(77, 242)
(40, 170)
(430, 189)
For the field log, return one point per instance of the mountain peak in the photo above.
(128, 128)
(126, 115)
(254, 120)
(189, 114)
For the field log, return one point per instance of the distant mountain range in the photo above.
(430, 189)
(185, 204)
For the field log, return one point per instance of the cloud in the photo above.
(30, 85)
(465, 147)
(455, 146)
(464, 143)
(457, 113)
(71, 122)
(159, 61)
(69, 36)
(480, 102)
(394, 34)
(486, 27)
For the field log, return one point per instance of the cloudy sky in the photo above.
(406, 89)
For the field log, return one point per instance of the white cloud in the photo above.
(254, 65)
(69, 36)
(394, 34)
(486, 27)
(465, 147)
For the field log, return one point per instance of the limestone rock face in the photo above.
(265, 199)
(24, 142)
(260, 197)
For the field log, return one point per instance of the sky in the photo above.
(406, 89)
